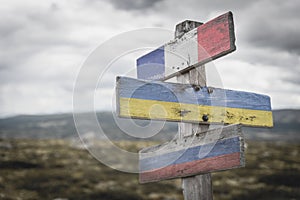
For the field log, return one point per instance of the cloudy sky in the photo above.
(45, 44)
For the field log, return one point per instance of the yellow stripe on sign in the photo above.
(171, 111)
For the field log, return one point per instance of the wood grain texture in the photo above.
(202, 183)
(214, 164)
(216, 38)
(191, 154)
(192, 49)
(197, 187)
(182, 102)
(219, 149)
(152, 65)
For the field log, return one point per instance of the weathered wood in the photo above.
(197, 187)
(214, 150)
(191, 103)
(190, 49)
(185, 27)
(200, 186)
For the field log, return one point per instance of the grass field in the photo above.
(53, 169)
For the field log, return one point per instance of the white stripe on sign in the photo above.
(182, 53)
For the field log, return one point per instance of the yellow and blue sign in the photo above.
(186, 103)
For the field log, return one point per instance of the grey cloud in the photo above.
(30, 41)
(36, 27)
(278, 36)
(54, 7)
(214, 5)
(293, 79)
(134, 4)
(7, 29)
(175, 11)
(30, 32)
(267, 57)
(274, 25)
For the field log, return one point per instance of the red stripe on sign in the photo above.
(217, 163)
(216, 38)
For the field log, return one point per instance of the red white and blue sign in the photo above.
(197, 47)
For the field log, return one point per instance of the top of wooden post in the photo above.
(185, 27)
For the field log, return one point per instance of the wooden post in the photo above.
(197, 187)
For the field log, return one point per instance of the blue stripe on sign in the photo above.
(227, 146)
(172, 92)
(152, 65)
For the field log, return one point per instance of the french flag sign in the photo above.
(199, 46)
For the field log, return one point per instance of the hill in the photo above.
(60, 126)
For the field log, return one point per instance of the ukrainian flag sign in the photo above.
(189, 103)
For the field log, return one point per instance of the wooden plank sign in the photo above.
(220, 149)
(197, 47)
(186, 103)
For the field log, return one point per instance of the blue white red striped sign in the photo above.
(199, 46)
(222, 149)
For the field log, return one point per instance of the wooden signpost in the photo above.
(197, 150)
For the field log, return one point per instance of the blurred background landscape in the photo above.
(43, 158)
